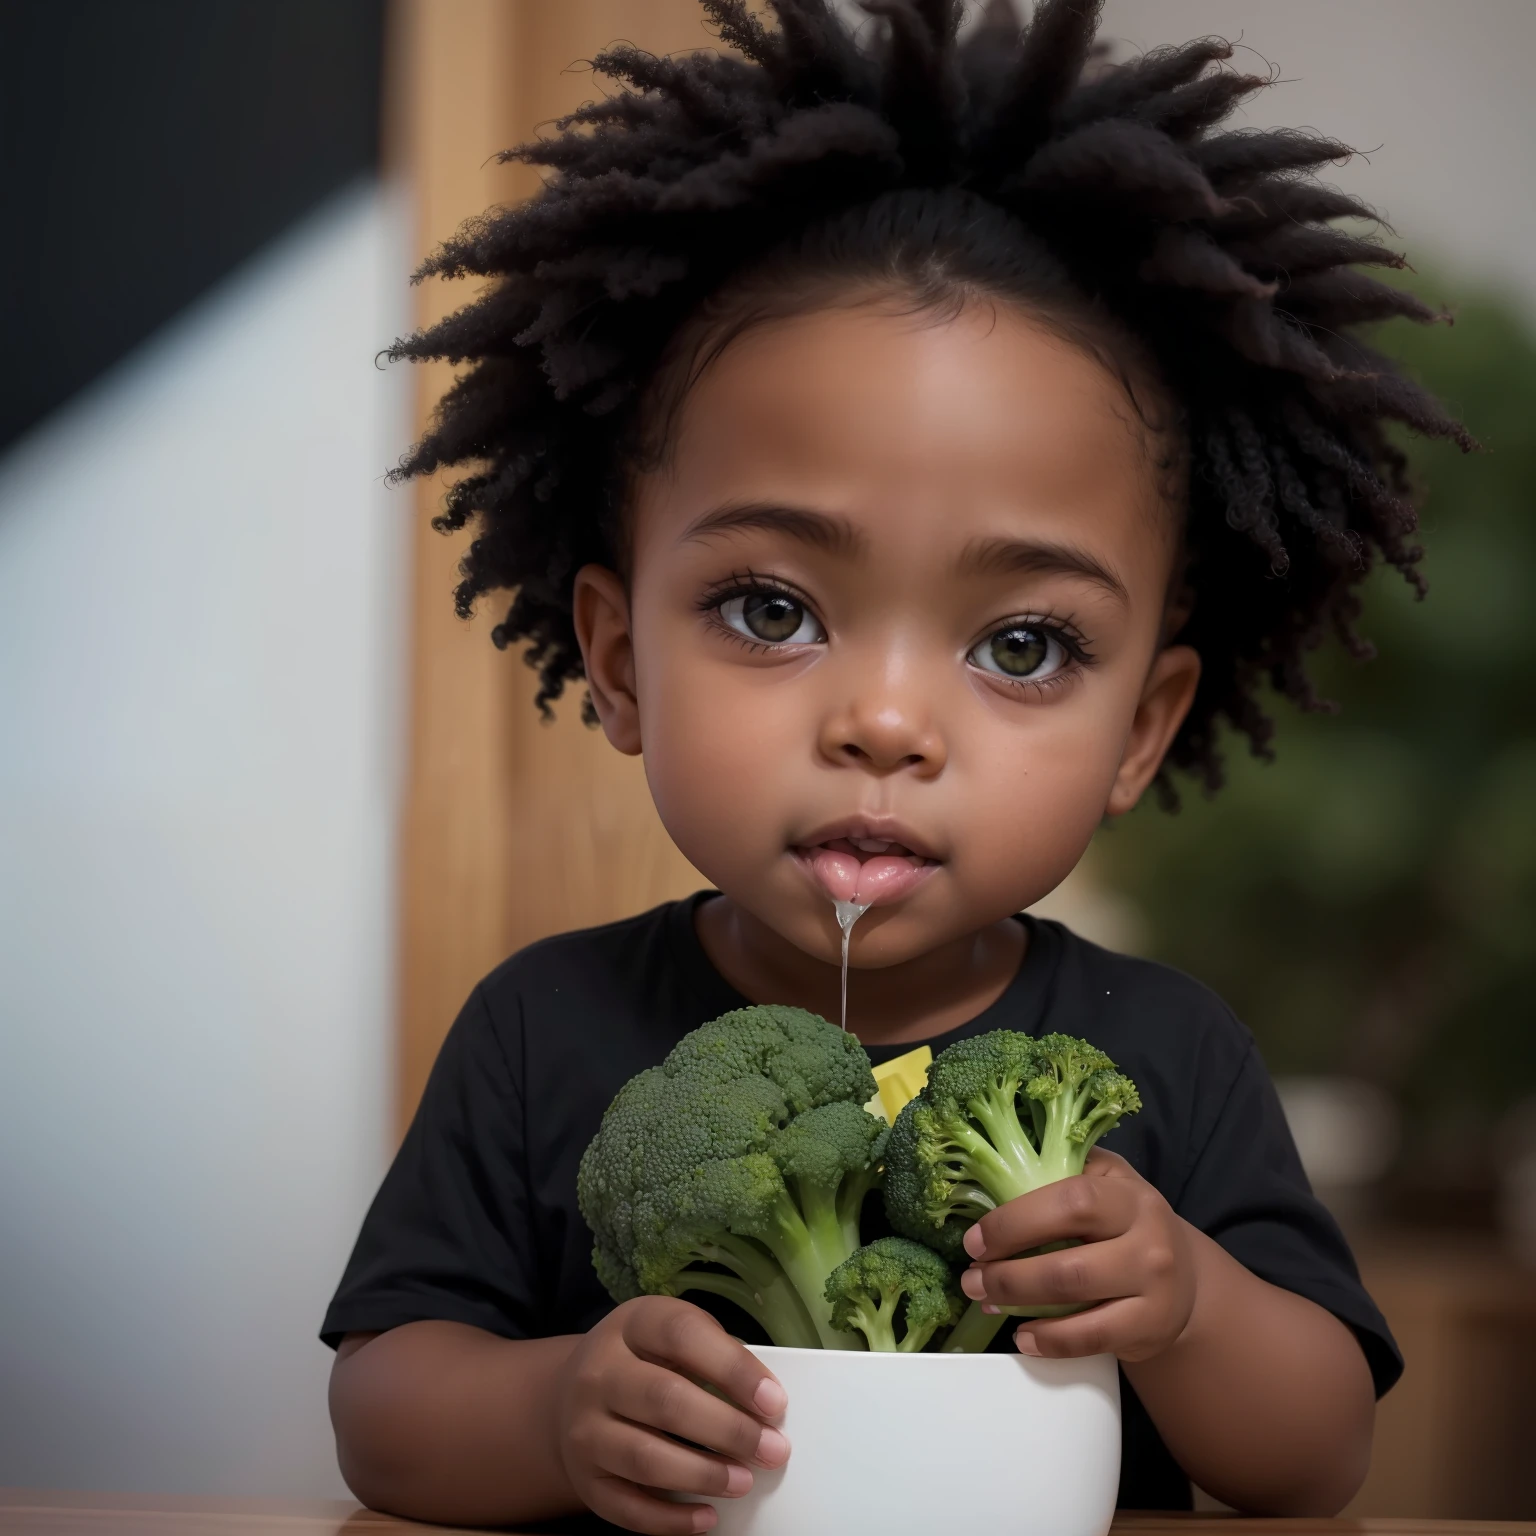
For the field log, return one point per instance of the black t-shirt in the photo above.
(477, 1223)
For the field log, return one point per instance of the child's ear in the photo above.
(1169, 691)
(600, 610)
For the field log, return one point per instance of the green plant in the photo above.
(739, 1167)
(894, 1283)
(1003, 1114)
(895, 1280)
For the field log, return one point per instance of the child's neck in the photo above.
(913, 1000)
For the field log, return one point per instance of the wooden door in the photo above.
(513, 829)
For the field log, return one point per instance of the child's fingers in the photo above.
(1112, 1328)
(641, 1455)
(1104, 1164)
(1086, 1273)
(686, 1338)
(1082, 1207)
(654, 1395)
(624, 1504)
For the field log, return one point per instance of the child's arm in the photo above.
(442, 1422)
(1262, 1397)
(446, 1423)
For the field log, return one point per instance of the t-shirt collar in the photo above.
(1021, 1004)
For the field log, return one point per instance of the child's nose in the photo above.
(884, 734)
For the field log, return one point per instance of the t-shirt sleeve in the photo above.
(448, 1236)
(1246, 1189)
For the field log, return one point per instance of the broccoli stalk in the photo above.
(758, 1286)
(794, 1207)
(1002, 1114)
(739, 1168)
(830, 1160)
(973, 1333)
(889, 1281)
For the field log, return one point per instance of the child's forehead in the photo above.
(948, 428)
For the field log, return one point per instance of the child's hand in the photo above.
(1135, 1259)
(625, 1400)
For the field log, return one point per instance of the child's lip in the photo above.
(855, 830)
(868, 860)
(873, 881)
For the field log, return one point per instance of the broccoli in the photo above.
(975, 1330)
(894, 1279)
(739, 1167)
(866, 1292)
(1002, 1114)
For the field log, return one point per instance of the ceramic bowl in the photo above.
(907, 1445)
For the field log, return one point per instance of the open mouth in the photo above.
(868, 871)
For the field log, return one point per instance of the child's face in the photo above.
(902, 579)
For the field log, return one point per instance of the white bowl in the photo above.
(907, 1445)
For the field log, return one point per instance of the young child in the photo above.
(919, 448)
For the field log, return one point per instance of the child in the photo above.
(919, 449)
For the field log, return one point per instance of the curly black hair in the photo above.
(1014, 163)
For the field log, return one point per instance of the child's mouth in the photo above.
(867, 870)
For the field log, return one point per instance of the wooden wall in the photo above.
(513, 829)
(1456, 1438)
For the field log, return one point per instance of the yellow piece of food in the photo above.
(899, 1082)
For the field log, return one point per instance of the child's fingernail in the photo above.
(770, 1399)
(737, 1482)
(973, 1285)
(704, 1518)
(989, 1309)
(1026, 1344)
(975, 1243)
(772, 1448)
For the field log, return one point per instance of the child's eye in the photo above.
(773, 617)
(1021, 652)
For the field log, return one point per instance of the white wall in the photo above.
(200, 736)
(1437, 91)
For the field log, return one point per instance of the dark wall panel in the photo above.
(149, 146)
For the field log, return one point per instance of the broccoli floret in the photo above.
(705, 1232)
(810, 1061)
(739, 1167)
(891, 1281)
(830, 1158)
(1002, 1114)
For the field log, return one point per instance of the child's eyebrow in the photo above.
(1029, 557)
(836, 535)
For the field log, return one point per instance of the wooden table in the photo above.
(27, 1512)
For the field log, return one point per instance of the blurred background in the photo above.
(267, 810)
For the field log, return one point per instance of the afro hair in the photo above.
(1013, 161)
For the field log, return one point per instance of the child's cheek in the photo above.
(1024, 821)
(721, 762)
